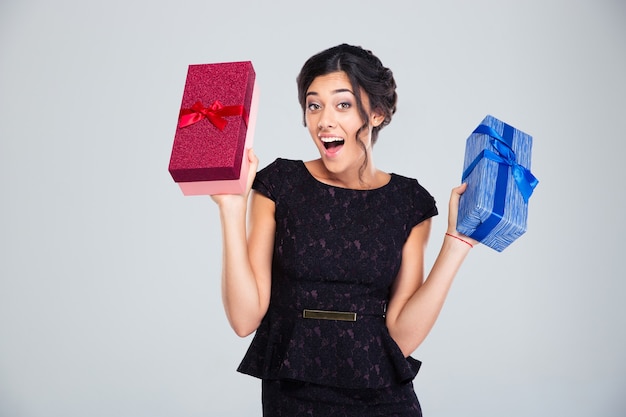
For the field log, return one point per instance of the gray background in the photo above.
(109, 276)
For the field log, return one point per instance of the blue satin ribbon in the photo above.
(525, 180)
(505, 157)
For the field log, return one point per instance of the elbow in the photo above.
(243, 322)
(407, 342)
(244, 329)
(407, 347)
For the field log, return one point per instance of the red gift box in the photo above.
(215, 127)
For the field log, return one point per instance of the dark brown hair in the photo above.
(365, 72)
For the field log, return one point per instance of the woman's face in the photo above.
(333, 120)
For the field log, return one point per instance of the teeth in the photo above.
(331, 139)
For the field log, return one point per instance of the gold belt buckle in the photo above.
(328, 315)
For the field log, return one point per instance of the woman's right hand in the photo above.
(225, 199)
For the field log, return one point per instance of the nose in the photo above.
(327, 119)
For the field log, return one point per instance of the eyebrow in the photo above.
(340, 90)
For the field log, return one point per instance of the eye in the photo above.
(313, 106)
(344, 105)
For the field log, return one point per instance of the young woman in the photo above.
(327, 266)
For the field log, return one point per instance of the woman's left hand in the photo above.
(453, 210)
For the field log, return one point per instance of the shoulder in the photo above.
(281, 166)
(273, 178)
(411, 185)
(415, 197)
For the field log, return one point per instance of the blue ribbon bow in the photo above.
(525, 180)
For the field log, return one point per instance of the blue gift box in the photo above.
(494, 207)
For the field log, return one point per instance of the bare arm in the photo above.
(415, 304)
(247, 255)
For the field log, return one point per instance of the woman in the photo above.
(329, 271)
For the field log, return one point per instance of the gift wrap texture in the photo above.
(494, 207)
(215, 126)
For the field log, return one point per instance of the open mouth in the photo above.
(332, 142)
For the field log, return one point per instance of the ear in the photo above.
(376, 118)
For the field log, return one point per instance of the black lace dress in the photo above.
(336, 250)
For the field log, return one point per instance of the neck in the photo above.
(357, 178)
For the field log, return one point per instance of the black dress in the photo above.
(335, 250)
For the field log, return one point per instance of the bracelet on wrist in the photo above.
(461, 239)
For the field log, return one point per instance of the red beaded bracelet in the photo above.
(462, 240)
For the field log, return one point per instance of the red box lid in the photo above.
(201, 151)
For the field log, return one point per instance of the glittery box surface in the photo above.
(201, 152)
(492, 209)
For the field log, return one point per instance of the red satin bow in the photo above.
(215, 113)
